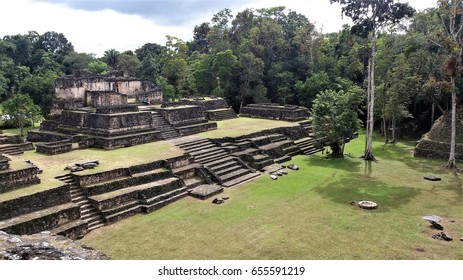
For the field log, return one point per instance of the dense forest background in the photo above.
(264, 55)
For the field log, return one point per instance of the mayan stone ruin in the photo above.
(115, 111)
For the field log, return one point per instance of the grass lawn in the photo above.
(243, 126)
(305, 215)
(53, 166)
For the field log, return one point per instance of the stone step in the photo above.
(92, 218)
(235, 174)
(313, 151)
(85, 206)
(63, 176)
(202, 149)
(193, 143)
(164, 199)
(212, 158)
(219, 161)
(87, 211)
(240, 180)
(69, 227)
(210, 145)
(96, 224)
(79, 199)
(282, 159)
(206, 152)
(224, 165)
(193, 182)
(228, 170)
(121, 208)
(123, 214)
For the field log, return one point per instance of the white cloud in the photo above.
(97, 31)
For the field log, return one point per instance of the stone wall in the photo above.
(274, 111)
(104, 98)
(73, 87)
(123, 141)
(15, 179)
(45, 221)
(437, 150)
(105, 125)
(154, 96)
(54, 148)
(184, 115)
(436, 143)
(4, 163)
(13, 139)
(44, 136)
(85, 180)
(34, 202)
(205, 103)
(117, 109)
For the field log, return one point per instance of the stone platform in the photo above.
(205, 191)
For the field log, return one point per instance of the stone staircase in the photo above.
(307, 147)
(278, 146)
(140, 191)
(307, 125)
(221, 114)
(88, 212)
(166, 130)
(223, 167)
(16, 149)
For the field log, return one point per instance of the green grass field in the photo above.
(305, 214)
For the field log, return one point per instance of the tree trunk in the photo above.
(369, 149)
(384, 129)
(451, 163)
(241, 104)
(393, 130)
(433, 112)
(336, 150)
(368, 106)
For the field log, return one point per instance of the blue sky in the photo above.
(94, 26)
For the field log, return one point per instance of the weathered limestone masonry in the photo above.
(11, 179)
(290, 113)
(113, 194)
(187, 119)
(265, 147)
(14, 145)
(54, 148)
(436, 143)
(71, 91)
(215, 108)
(4, 163)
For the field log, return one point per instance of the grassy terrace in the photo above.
(242, 126)
(53, 166)
(305, 215)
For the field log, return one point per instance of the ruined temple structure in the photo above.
(290, 113)
(215, 108)
(436, 143)
(95, 112)
(76, 91)
(21, 174)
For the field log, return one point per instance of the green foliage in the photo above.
(335, 118)
(41, 88)
(98, 67)
(21, 110)
(129, 63)
(111, 57)
(76, 61)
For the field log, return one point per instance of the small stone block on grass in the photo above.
(432, 178)
(205, 191)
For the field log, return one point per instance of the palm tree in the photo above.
(111, 57)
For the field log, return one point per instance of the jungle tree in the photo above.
(368, 18)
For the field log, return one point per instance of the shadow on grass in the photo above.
(362, 187)
(456, 186)
(349, 163)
